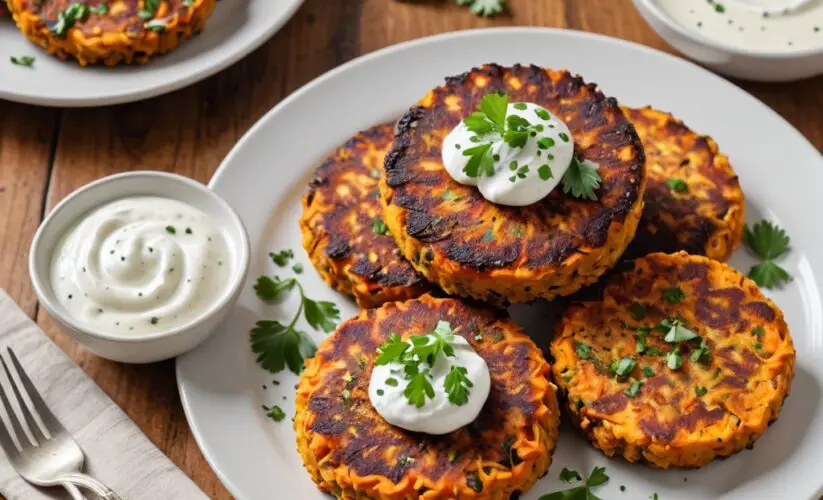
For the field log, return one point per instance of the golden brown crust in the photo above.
(707, 218)
(499, 254)
(118, 36)
(710, 407)
(339, 213)
(351, 452)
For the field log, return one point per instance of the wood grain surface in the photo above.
(47, 153)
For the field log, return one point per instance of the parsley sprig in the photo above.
(485, 8)
(490, 122)
(27, 61)
(417, 356)
(278, 346)
(768, 242)
(597, 478)
(68, 17)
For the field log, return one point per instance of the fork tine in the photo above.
(6, 442)
(32, 424)
(53, 425)
(18, 431)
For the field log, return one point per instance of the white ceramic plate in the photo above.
(236, 28)
(265, 175)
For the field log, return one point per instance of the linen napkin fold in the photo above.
(117, 452)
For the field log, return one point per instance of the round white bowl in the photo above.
(730, 60)
(155, 346)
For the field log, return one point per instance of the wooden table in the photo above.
(47, 153)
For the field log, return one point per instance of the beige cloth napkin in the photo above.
(117, 452)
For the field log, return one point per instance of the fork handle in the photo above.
(88, 482)
(73, 491)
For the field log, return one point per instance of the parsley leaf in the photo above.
(457, 385)
(481, 161)
(278, 346)
(768, 242)
(418, 388)
(276, 413)
(624, 367)
(673, 295)
(392, 350)
(321, 315)
(484, 8)
(567, 475)
(27, 61)
(702, 354)
(479, 124)
(67, 18)
(495, 105)
(597, 478)
(271, 289)
(581, 179)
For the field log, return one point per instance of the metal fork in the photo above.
(53, 458)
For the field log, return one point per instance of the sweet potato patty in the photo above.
(110, 31)
(638, 389)
(351, 452)
(499, 254)
(343, 229)
(693, 198)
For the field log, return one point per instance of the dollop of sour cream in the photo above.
(522, 175)
(438, 415)
(140, 265)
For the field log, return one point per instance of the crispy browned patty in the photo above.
(693, 198)
(500, 254)
(123, 31)
(729, 386)
(342, 225)
(351, 452)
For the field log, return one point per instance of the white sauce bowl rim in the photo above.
(45, 292)
(658, 12)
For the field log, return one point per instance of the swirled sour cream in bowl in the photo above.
(141, 266)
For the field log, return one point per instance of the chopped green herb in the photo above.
(647, 371)
(582, 350)
(171, 230)
(380, 392)
(673, 295)
(700, 391)
(542, 114)
(379, 227)
(569, 475)
(675, 331)
(450, 196)
(276, 413)
(757, 346)
(759, 331)
(521, 106)
(634, 389)
(100, 9)
(678, 185)
(673, 360)
(392, 382)
(282, 257)
(702, 354)
(27, 61)
(154, 320)
(545, 172)
(485, 8)
(624, 367)
(297, 268)
(67, 18)
(640, 343)
(638, 311)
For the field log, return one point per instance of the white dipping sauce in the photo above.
(140, 265)
(751, 24)
(520, 173)
(438, 415)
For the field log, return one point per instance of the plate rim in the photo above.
(167, 86)
(222, 169)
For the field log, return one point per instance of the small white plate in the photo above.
(236, 28)
(264, 177)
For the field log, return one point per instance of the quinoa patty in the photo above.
(343, 229)
(639, 386)
(472, 247)
(111, 31)
(693, 198)
(351, 452)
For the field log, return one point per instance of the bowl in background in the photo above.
(730, 60)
